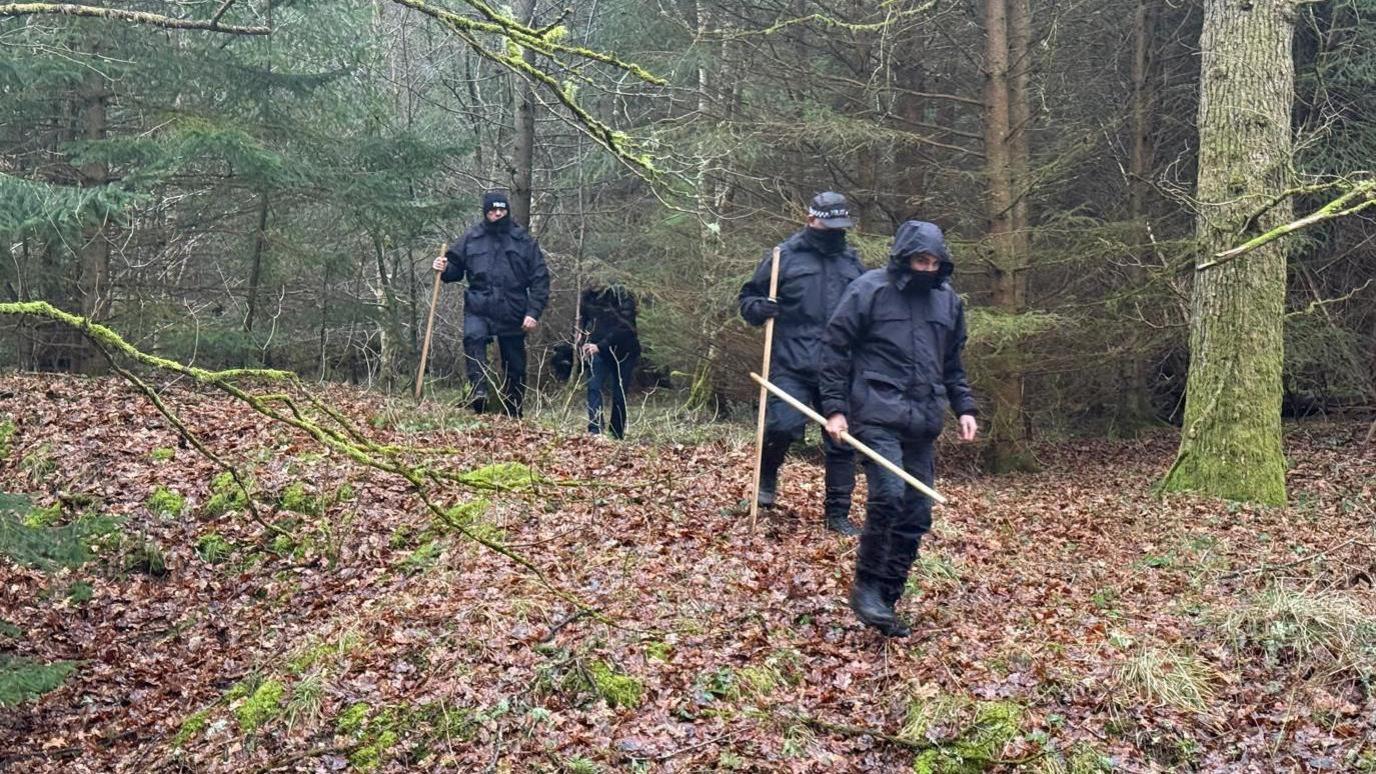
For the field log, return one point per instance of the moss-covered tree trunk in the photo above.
(1230, 445)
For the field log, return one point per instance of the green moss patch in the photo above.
(618, 690)
(225, 496)
(165, 503)
(297, 499)
(261, 706)
(980, 740)
(213, 548)
(502, 477)
(191, 728)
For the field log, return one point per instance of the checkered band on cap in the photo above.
(839, 212)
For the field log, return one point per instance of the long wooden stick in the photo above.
(764, 396)
(429, 329)
(850, 439)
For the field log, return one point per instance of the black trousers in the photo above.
(606, 366)
(897, 515)
(784, 424)
(477, 333)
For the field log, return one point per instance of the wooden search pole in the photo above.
(764, 396)
(429, 329)
(850, 439)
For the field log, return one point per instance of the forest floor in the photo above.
(1070, 620)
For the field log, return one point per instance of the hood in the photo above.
(919, 236)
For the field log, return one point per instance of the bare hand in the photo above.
(968, 427)
(836, 425)
(589, 350)
(529, 324)
(441, 263)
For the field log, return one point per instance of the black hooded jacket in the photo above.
(608, 315)
(811, 283)
(506, 273)
(891, 352)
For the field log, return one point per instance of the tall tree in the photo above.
(1231, 441)
(523, 144)
(1007, 31)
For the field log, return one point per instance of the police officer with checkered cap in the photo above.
(815, 266)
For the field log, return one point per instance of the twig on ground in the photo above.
(1264, 568)
(554, 631)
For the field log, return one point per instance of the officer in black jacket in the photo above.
(815, 266)
(508, 288)
(890, 366)
(611, 347)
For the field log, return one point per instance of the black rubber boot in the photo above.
(841, 524)
(867, 600)
(771, 459)
(769, 485)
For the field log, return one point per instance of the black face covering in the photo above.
(923, 280)
(504, 224)
(830, 240)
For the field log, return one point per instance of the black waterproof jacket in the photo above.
(608, 315)
(506, 273)
(891, 352)
(811, 283)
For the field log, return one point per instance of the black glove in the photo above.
(767, 308)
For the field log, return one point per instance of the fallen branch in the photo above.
(191, 438)
(554, 630)
(348, 440)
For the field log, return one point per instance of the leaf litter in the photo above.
(1106, 627)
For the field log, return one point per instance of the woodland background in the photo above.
(245, 570)
(275, 199)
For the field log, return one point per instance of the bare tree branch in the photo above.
(136, 17)
(220, 12)
(545, 41)
(1359, 197)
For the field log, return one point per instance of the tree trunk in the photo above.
(1230, 445)
(95, 247)
(523, 161)
(703, 393)
(389, 330)
(1005, 150)
(255, 272)
(1143, 97)
(1135, 409)
(260, 237)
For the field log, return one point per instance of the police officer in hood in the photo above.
(508, 288)
(815, 266)
(890, 367)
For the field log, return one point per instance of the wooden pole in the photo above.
(850, 439)
(429, 329)
(764, 396)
